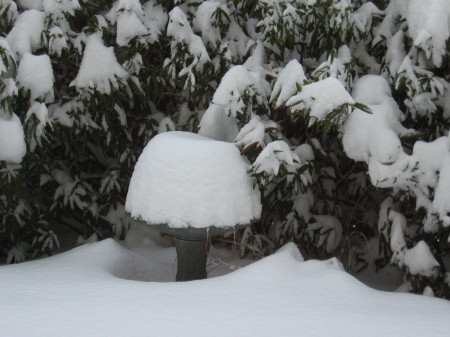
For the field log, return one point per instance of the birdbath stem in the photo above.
(191, 259)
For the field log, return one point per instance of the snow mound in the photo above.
(35, 73)
(81, 292)
(429, 27)
(371, 90)
(99, 68)
(25, 36)
(184, 179)
(128, 27)
(320, 98)
(12, 140)
(286, 85)
(374, 135)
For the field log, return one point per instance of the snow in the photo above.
(371, 90)
(273, 156)
(57, 41)
(254, 132)
(429, 27)
(441, 202)
(286, 85)
(216, 124)
(128, 27)
(6, 50)
(303, 204)
(320, 98)
(336, 66)
(397, 239)
(184, 179)
(305, 152)
(330, 229)
(67, 6)
(99, 68)
(181, 31)
(130, 5)
(203, 23)
(374, 135)
(233, 84)
(40, 112)
(9, 11)
(220, 119)
(105, 289)
(166, 124)
(362, 17)
(12, 139)
(420, 260)
(430, 156)
(395, 53)
(155, 18)
(25, 36)
(35, 73)
(129, 16)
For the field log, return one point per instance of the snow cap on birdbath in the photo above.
(191, 187)
(185, 180)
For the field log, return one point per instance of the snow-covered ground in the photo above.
(109, 289)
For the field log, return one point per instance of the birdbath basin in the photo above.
(193, 188)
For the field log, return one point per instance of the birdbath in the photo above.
(193, 188)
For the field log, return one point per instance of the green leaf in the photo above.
(362, 107)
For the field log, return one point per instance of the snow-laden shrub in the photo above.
(340, 107)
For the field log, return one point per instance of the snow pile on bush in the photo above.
(184, 179)
(99, 69)
(12, 140)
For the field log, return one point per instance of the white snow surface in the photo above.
(129, 16)
(216, 124)
(184, 179)
(181, 31)
(374, 135)
(25, 36)
(128, 27)
(67, 6)
(12, 140)
(219, 120)
(286, 85)
(320, 97)
(99, 68)
(203, 23)
(420, 260)
(254, 132)
(273, 156)
(104, 289)
(429, 27)
(155, 18)
(430, 156)
(35, 73)
(371, 90)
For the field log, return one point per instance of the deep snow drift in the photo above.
(99, 290)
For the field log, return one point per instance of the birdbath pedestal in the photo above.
(192, 246)
(193, 188)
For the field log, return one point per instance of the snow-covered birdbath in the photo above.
(191, 187)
